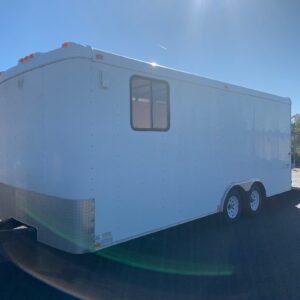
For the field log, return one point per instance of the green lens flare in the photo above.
(164, 265)
(54, 228)
(145, 261)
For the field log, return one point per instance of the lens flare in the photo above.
(164, 265)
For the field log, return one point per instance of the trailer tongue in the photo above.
(12, 229)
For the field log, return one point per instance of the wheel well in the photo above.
(235, 187)
(262, 187)
(240, 189)
(243, 188)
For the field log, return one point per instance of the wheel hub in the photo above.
(232, 207)
(254, 200)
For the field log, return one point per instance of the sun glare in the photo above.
(154, 64)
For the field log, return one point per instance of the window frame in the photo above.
(151, 79)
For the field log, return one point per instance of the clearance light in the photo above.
(65, 44)
(25, 58)
(99, 56)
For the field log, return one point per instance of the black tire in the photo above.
(255, 199)
(233, 206)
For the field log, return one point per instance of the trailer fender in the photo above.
(243, 186)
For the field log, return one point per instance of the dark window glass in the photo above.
(159, 105)
(149, 104)
(141, 103)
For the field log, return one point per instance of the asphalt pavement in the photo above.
(256, 258)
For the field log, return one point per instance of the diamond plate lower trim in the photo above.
(65, 224)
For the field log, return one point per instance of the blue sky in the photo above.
(253, 43)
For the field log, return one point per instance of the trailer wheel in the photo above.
(232, 205)
(255, 199)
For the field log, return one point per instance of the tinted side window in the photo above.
(141, 103)
(159, 105)
(149, 104)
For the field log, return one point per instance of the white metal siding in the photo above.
(65, 132)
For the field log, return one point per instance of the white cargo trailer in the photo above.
(97, 149)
